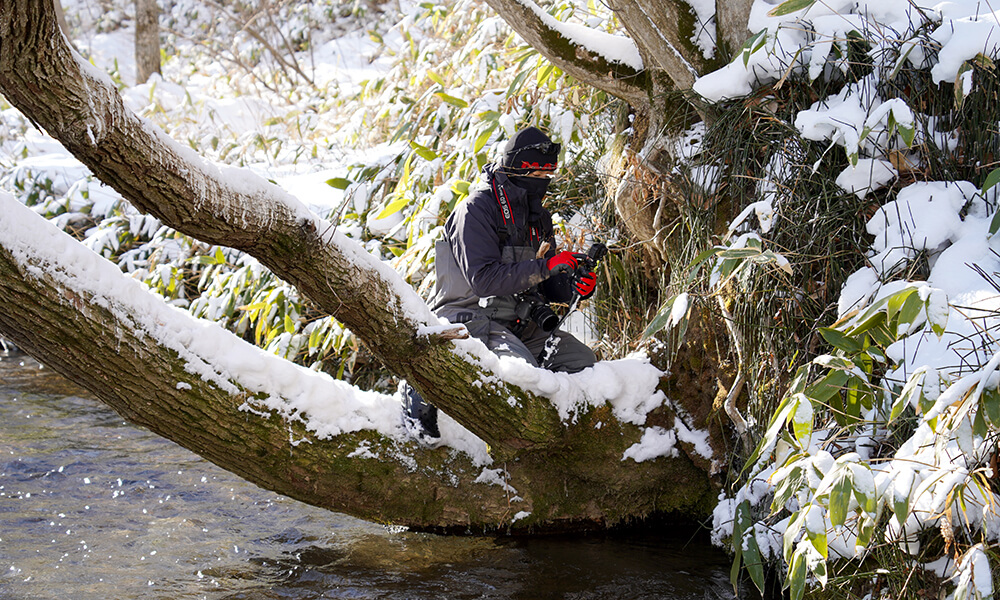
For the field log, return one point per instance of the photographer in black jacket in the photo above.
(490, 273)
(497, 268)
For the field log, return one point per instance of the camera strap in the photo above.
(506, 213)
(508, 227)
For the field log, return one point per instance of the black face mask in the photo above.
(535, 186)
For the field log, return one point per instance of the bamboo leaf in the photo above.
(839, 340)
(452, 100)
(786, 488)
(913, 388)
(828, 387)
(394, 207)
(435, 78)
(789, 6)
(664, 314)
(796, 578)
(741, 521)
(778, 421)
(911, 309)
(840, 498)
(423, 151)
(339, 183)
(754, 563)
(990, 403)
(484, 137)
(752, 45)
(991, 180)
(901, 507)
(737, 253)
(802, 420)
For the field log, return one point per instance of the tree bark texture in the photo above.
(616, 79)
(147, 39)
(565, 473)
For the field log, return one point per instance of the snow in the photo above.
(655, 442)
(947, 348)
(613, 48)
(869, 175)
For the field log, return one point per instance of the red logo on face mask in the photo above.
(538, 167)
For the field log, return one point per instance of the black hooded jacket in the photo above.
(490, 243)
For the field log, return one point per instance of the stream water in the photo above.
(92, 508)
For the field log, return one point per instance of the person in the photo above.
(498, 269)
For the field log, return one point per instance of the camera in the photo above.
(534, 308)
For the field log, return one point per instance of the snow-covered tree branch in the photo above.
(564, 438)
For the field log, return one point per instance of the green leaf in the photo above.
(339, 183)
(737, 253)
(937, 311)
(896, 301)
(484, 137)
(314, 337)
(834, 362)
(912, 308)
(870, 321)
(662, 318)
(754, 563)
(787, 487)
(790, 6)
(818, 541)
(752, 45)
(840, 498)
(460, 187)
(839, 340)
(796, 578)
(423, 151)
(394, 207)
(866, 533)
(990, 405)
(864, 487)
(778, 421)
(435, 78)
(979, 426)
(828, 387)
(741, 522)
(452, 100)
(802, 420)
(991, 180)
(289, 324)
(901, 507)
(959, 88)
(914, 385)
(995, 223)
(908, 134)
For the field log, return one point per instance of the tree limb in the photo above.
(44, 78)
(103, 341)
(582, 63)
(563, 473)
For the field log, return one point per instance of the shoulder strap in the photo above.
(505, 212)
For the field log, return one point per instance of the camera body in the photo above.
(536, 309)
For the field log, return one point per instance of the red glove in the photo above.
(585, 285)
(564, 262)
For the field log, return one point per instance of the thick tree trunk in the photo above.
(147, 39)
(101, 343)
(563, 472)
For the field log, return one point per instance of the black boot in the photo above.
(426, 415)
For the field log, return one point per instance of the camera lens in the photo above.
(544, 317)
